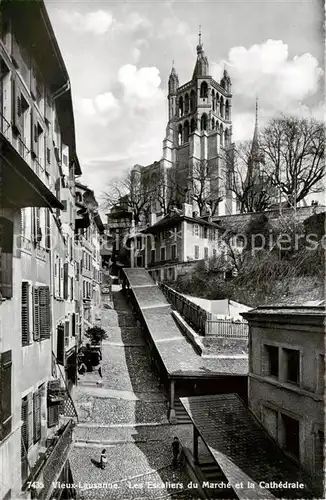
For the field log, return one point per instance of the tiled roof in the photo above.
(314, 309)
(176, 353)
(171, 220)
(242, 448)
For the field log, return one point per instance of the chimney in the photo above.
(187, 209)
(152, 219)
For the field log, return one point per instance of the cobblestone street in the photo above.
(125, 413)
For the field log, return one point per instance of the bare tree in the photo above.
(294, 153)
(247, 179)
(128, 193)
(202, 185)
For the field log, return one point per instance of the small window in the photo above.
(173, 251)
(291, 435)
(153, 256)
(163, 253)
(48, 155)
(205, 232)
(196, 252)
(292, 366)
(271, 356)
(206, 252)
(196, 230)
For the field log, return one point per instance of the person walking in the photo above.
(175, 450)
(103, 459)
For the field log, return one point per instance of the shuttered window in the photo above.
(67, 333)
(73, 324)
(36, 416)
(53, 415)
(45, 312)
(25, 314)
(41, 313)
(65, 281)
(16, 108)
(60, 344)
(24, 438)
(36, 315)
(5, 394)
(47, 229)
(6, 263)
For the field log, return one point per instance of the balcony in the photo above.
(18, 175)
(164, 262)
(47, 469)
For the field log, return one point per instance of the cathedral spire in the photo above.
(202, 66)
(255, 140)
(173, 80)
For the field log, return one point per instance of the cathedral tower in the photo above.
(199, 127)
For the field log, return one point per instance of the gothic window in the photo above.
(192, 125)
(186, 131)
(213, 124)
(186, 103)
(217, 103)
(180, 106)
(227, 110)
(213, 100)
(203, 122)
(226, 137)
(204, 90)
(180, 135)
(221, 135)
(222, 107)
(192, 100)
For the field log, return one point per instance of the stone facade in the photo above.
(286, 380)
(199, 132)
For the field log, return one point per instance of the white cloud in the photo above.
(103, 108)
(97, 22)
(268, 71)
(141, 86)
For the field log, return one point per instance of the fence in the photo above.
(202, 321)
(228, 328)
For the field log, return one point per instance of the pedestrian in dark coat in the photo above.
(175, 450)
(103, 459)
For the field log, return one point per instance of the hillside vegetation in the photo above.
(266, 276)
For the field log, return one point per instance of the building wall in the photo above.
(303, 402)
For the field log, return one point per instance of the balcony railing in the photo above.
(48, 466)
(5, 127)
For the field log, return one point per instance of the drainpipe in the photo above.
(61, 90)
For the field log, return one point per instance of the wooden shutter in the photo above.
(25, 313)
(5, 394)
(6, 262)
(24, 438)
(73, 325)
(44, 312)
(34, 148)
(37, 416)
(65, 281)
(47, 229)
(16, 108)
(36, 314)
(53, 415)
(67, 325)
(61, 277)
(60, 344)
(30, 418)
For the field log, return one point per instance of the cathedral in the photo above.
(197, 145)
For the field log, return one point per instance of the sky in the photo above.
(119, 56)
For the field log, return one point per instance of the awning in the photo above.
(243, 450)
(21, 186)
